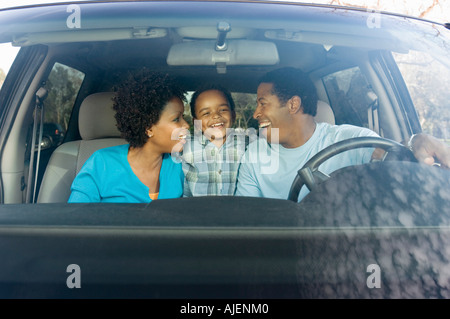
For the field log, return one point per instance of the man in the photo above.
(286, 106)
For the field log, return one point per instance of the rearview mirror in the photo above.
(237, 52)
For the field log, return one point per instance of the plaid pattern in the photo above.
(209, 170)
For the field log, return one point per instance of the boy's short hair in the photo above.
(209, 87)
(288, 82)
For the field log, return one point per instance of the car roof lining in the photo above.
(107, 56)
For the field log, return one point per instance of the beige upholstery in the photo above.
(324, 113)
(98, 129)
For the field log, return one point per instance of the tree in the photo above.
(62, 85)
(422, 75)
(245, 106)
(436, 10)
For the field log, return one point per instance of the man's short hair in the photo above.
(288, 82)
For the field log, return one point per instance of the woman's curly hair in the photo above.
(139, 102)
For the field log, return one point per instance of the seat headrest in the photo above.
(96, 117)
(324, 113)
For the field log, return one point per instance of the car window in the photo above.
(7, 56)
(245, 107)
(428, 81)
(351, 97)
(2, 77)
(63, 85)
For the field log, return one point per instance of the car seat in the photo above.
(324, 113)
(97, 127)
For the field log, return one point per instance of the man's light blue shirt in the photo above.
(269, 170)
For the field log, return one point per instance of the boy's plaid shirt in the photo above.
(209, 170)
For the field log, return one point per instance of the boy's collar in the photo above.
(204, 140)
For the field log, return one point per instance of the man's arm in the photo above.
(429, 150)
(246, 181)
(426, 148)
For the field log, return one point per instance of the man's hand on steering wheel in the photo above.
(310, 175)
(429, 150)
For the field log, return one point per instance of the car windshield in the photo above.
(304, 213)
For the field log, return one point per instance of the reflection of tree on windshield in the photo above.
(394, 215)
(432, 10)
(428, 81)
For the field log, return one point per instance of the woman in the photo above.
(149, 113)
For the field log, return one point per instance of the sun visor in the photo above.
(235, 52)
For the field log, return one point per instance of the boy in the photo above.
(211, 159)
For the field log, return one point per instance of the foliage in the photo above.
(245, 106)
(62, 85)
(424, 78)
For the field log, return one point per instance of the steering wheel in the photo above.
(310, 175)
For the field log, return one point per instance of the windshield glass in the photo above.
(223, 148)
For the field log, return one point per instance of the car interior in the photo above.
(187, 53)
(224, 246)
